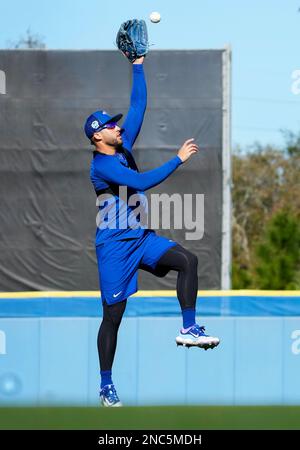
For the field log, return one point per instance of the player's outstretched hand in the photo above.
(187, 150)
(132, 39)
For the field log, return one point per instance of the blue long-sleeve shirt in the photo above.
(138, 103)
(117, 219)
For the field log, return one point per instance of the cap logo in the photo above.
(95, 124)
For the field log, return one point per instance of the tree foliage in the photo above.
(277, 261)
(265, 182)
(30, 40)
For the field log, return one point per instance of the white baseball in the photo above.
(155, 17)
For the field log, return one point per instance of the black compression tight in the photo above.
(176, 258)
(186, 264)
(108, 332)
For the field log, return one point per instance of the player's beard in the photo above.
(119, 142)
(115, 143)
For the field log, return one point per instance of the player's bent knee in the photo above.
(191, 260)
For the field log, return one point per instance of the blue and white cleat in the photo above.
(195, 337)
(109, 396)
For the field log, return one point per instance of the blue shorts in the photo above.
(119, 261)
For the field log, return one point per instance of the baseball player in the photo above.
(121, 250)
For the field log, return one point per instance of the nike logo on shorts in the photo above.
(116, 295)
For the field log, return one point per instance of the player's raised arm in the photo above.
(132, 40)
(138, 103)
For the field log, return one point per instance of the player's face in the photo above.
(112, 136)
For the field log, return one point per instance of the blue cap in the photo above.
(96, 121)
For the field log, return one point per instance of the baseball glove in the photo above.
(132, 39)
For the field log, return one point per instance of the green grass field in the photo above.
(150, 418)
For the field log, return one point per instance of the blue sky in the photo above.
(264, 36)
